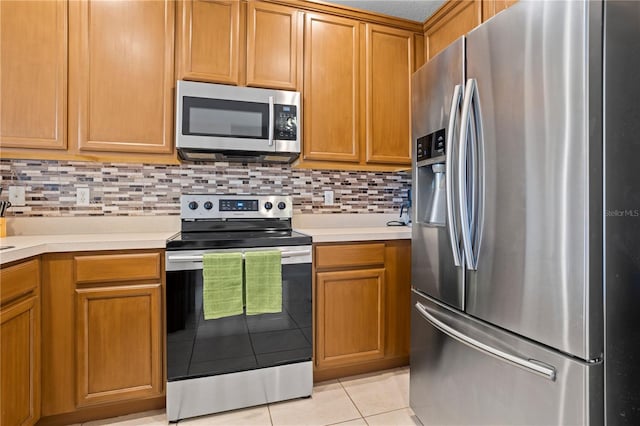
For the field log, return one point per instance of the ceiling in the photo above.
(415, 10)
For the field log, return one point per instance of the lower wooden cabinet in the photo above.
(20, 344)
(350, 305)
(362, 307)
(118, 343)
(103, 338)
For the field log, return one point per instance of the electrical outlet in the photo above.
(83, 196)
(17, 195)
(328, 198)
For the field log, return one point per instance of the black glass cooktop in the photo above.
(223, 239)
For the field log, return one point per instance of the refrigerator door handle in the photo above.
(471, 210)
(450, 146)
(463, 201)
(530, 365)
(478, 180)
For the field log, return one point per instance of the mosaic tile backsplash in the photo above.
(138, 189)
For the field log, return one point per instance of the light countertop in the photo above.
(331, 235)
(329, 228)
(33, 245)
(48, 235)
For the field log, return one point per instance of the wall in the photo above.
(137, 189)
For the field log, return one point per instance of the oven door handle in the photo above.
(198, 257)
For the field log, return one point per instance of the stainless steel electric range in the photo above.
(242, 360)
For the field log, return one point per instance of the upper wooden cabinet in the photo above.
(213, 34)
(453, 20)
(208, 34)
(121, 75)
(33, 74)
(456, 18)
(274, 46)
(357, 94)
(492, 7)
(389, 65)
(331, 88)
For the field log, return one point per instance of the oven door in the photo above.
(197, 347)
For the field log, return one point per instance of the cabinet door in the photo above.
(274, 46)
(20, 363)
(331, 88)
(389, 66)
(350, 323)
(121, 75)
(33, 74)
(118, 344)
(454, 20)
(209, 41)
(492, 7)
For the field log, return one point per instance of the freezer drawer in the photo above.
(464, 372)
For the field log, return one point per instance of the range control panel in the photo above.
(210, 206)
(286, 122)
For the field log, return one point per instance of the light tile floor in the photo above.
(376, 399)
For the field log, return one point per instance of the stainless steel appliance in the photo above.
(242, 360)
(220, 122)
(526, 272)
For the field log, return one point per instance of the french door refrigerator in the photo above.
(526, 233)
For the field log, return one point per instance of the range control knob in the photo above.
(208, 205)
(193, 205)
(268, 205)
(281, 205)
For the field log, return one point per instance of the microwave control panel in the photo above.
(286, 122)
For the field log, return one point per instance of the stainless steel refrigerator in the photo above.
(526, 227)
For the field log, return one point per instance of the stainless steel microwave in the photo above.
(216, 122)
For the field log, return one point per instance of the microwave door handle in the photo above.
(271, 120)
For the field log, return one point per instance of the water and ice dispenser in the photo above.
(431, 199)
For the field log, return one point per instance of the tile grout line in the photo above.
(352, 401)
(376, 414)
(269, 411)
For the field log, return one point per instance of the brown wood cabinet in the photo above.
(114, 60)
(254, 43)
(351, 331)
(20, 343)
(103, 334)
(33, 74)
(453, 20)
(362, 307)
(274, 46)
(357, 94)
(118, 343)
(388, 70)
(208, 35)
(331, 88)
(121, 76)
(492, 7)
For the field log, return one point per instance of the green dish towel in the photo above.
(222, 284)
(263, 282)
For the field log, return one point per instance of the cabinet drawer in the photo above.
(117, 267)
(349, 255)
(19, 279)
